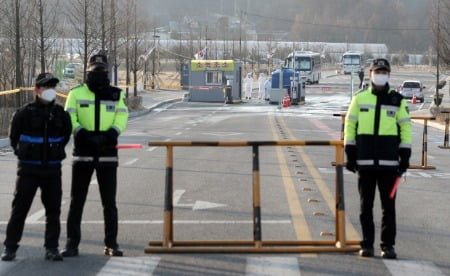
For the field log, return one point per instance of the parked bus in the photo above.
(352, 62)
(307, 63)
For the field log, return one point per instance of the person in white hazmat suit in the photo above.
(261, 80)
(267, 87)
(248, 86)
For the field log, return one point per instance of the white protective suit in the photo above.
(248, 86)
(261, 80)
(267, 87)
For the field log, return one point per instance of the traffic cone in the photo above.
(414, 99)
(286, 101)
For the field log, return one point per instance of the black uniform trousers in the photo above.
(51, 193)
(367, 183)
(107, 182)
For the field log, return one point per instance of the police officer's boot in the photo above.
(53, 254)
(8, 254)
(113, 251)
(388, 252)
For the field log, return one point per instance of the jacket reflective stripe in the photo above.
(405, 146)
(122, 110)
(388, 162)
(389, 107)
(365, 162)
(380, 162)
(39, 140)
(108, 159)
(71, 110)
(85, 102)
(352, 117)
(34, 162)
(366, 106)
(109, 102)
(91, 159)
(83, 158)
(403, 120)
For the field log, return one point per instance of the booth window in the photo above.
(214, 77)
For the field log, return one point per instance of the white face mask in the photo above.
(48, 95)
(380, 79)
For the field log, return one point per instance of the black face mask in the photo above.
(97, 82)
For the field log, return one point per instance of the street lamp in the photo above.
(154, 55)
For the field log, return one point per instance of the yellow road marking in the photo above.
(298, 217)
(351, 233)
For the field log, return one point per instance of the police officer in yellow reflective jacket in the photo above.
(378, 146)
(99, 114)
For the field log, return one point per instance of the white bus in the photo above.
(307, 63)
(352, 62)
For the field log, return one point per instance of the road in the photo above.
(213, 195)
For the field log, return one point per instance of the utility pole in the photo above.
(154, 56)
(437, 101)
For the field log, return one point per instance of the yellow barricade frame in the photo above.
(257, 245)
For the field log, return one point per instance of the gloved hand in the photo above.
(404, 154)
(111, 135)
(351, 165)
(350, 151)
(97, 140)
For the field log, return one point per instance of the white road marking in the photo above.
(130, 266)
(410, 268)
(175, 222)
(152, 148)
(178, 133)
(132, 161)
(35, 217)
(198, 205)
(258, 266)
(32, 219)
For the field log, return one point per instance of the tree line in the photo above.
(30, 29)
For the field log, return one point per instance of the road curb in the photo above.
(149, 109)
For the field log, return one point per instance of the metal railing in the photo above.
(257, 245)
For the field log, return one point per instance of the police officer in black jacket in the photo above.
(39, 131)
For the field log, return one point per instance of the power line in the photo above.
(339, 25)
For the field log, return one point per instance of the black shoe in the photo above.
(388, 253)
(113, 251)
(366, 252)
(8, 254)
(53, 255)
(69, 252)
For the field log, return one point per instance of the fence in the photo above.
(257, 245)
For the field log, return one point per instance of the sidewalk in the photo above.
(150, 101)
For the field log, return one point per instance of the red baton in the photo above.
(395, 187)
(129, 146)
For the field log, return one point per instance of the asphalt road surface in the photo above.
(213, 195)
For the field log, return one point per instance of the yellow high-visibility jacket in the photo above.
(378, 124)
(97, 115)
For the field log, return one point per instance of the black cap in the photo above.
(98, 62)
(46, 79)
(380, 64)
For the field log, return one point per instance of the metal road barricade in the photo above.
(425, 119)
(257, 245)
(447, 119)
(423, 164)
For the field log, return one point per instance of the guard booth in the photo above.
(287, 81)
(215, 81)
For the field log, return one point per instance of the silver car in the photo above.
(409, 88)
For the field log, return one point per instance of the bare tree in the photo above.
(48, 31)
(84, 21)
